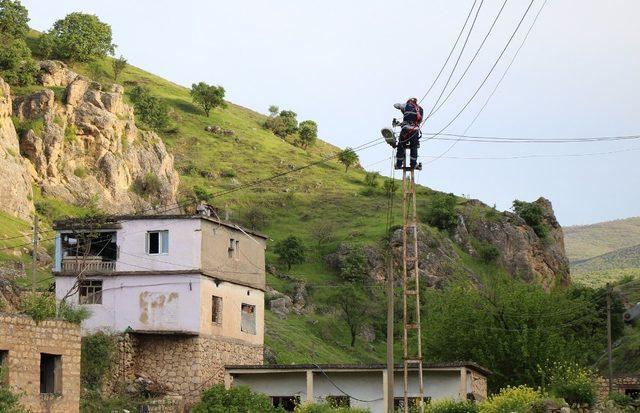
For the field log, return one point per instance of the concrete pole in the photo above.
(390, 362)
(34, 258)
(310, 386)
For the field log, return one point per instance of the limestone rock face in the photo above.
(89, 149)
(522, 253)
(15, 181)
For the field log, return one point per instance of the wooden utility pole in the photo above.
(34, 257)
(609, 336)
(390, 362)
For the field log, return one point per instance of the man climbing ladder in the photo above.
(410, 134)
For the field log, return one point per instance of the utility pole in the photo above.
(34, 253)
(390, 362)
(609, 336)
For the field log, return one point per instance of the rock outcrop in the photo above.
(15, 181)
(85, 147)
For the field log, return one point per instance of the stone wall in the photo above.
(619, 385)
(25, 341)
(177, 365)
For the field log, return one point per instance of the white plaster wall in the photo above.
(184, 245)
(363, 385)
(141, 302)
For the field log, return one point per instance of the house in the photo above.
(41, 362)
(188, 291)
(362, 386)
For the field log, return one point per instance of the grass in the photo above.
(588, 241)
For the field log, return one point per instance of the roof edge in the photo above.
(467, 364)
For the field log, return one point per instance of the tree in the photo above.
(149, 109)
(307, 133)
(17, 67)
(354, 306)
(237, 399)
(371, 179)
(14, 19)
(389, 186)
(323, 232)
(118, 65)
(441, 212)
(207, 96)
(78, 37)
(273, 110)
(512, 326)
(284, 124)
(348, 157)
(351, 265)
(290, 251)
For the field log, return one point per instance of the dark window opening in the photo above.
(633, 393)
(216, 309)
(50, 373)
(158, 242)
(338, 401)
(398, 402)
(248, 322)
(234, 247)
(4, 354)
(288, 403)
(95, 244)
(90, 292)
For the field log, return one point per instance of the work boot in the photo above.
(399, 163)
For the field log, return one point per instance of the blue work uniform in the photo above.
(410, 133)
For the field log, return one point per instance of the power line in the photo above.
(451, 51)
(566, 155)
(506, 139)
(471, 61)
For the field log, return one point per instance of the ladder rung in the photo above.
(411, 326)
(411, 258)
(411, 292)
(413, 360)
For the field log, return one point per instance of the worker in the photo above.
(410, 133)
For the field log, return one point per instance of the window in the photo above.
(50, 373)
(398, 402)
(216, 309)
(633, 393)
(338, 401)
(157, 242)
(234, 248)
(288, 403)
(248, 322)
(90, 292)
(4, 355)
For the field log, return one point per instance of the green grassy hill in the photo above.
(588, 241)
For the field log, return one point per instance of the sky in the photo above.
(344, 64)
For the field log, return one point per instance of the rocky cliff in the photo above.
(82, 145)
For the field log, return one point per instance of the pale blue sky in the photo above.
(344, 64)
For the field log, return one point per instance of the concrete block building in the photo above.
(187, 290)
(42, 362)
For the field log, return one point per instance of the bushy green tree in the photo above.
(149, 109)
(351, 266)
(237, 399)
(290, 251)
(371, 179)
(307, 133)
(96, 357)
(354, 306)
(273, 110)
(284, 124)
(348, 157)
(511, 326)
(118, 66)
(79, 37)
(17, 67)
(14, 19)
(441, 211)
(207, 96)
(533, 215)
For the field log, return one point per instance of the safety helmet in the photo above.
(412, 100)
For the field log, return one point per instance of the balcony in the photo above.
(87, 265)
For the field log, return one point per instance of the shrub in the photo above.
(533, 215)
(371, 179)
(118, 65)
(390, 186)
(574, 383)
(148, 186)
(80, 172)
(323, 232)
(72, 314)
(255, 218)
(228, 173)
(351, 266)
(17, 66)
(202, 193)
(441, 212)
(488, 253)
(78, 37)
(151, 111)
(93, 401)
(307, 133)
(235, 400)
(70, 132)
(39, 306)
(284, 124)
(511, 400)
(452, 406)
(97, 354)
(326, 408)
(9, 401)
(290, 251)
(207, 96)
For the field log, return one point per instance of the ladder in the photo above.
(412, 336)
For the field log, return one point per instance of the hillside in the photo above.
(95, 168)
